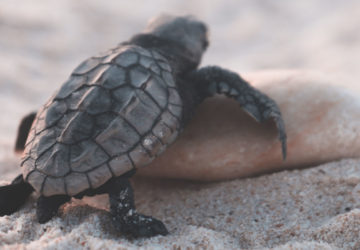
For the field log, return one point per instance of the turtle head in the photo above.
(187, 31)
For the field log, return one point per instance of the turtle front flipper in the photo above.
(125, 217)
(23, 131)
(13, 196)
(215, 80)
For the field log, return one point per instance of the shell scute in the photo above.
(72, 101)
(139, 76)
(95, 101)
(86, 155)
(87, 66)
(123, 161)
(75, 183)
(99, 176)
(53, 186)
(118, 137)
(79, 127)
(72, 84)
(141, 113)
(146, 62)
(122, 97)
(54, 162)
(158, 92)
(55, 112)
(127, 58)
(45, 141)
(36, 179)
(114, 77)
(152, 144)
(95, 75)
(140, 156)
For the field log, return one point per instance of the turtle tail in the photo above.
(13, 196)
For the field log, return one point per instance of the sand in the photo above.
(315, 208)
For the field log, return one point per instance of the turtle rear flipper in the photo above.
(23, 131)
(125, 218)
(13, 196)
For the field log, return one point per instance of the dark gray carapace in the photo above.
(116, 113)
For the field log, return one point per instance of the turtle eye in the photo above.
(203, 27)
(205, 44)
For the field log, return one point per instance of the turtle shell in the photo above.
(116, 112)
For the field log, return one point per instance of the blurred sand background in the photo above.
(42, 41)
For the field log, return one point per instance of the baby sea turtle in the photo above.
(115, 114)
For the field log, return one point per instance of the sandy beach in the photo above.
(313, 208)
